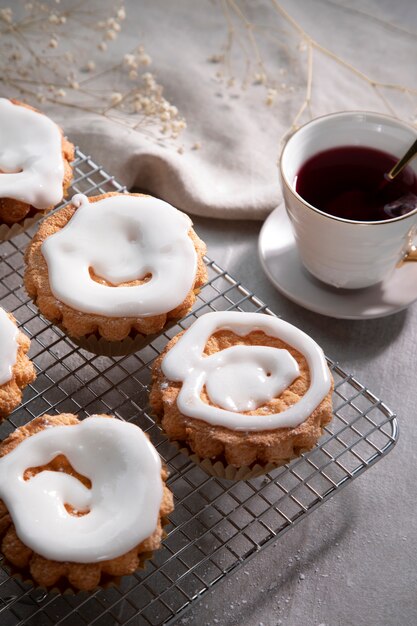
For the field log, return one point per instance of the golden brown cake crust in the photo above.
(80, 576)
(77, 323)
(239, 448)
(23, 373)
(11, 210)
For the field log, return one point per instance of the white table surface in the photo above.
(353, 560)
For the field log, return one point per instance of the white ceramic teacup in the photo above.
(340, 252)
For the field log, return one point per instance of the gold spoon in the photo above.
(400, 165)
(411, 255)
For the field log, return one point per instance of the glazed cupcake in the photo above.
(115, 268)
(242, 392)
(82, 503)
(16, 370)
(35, 170)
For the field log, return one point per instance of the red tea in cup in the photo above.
(348, 182)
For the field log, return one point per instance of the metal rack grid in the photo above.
(217, 525)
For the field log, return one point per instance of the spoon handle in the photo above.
(411, 152)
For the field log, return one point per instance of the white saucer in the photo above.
(282, 264)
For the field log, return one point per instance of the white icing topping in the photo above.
(122, 238)
(242, 378)
(123, 502)
(30, 156)
(8, 347)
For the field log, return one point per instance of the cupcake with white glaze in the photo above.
(81, 503)
(35, 170)
(115, 269)
(242, 393)
(16, 370)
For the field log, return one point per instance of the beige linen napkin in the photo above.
(225, 163)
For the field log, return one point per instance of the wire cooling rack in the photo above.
(217, 525)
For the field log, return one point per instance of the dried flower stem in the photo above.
(307, 101)
(376, 85)
(234, 12)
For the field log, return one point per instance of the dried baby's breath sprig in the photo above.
(42, 60)
(147, 100)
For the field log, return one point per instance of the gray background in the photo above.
(352, 562)
(357, 552)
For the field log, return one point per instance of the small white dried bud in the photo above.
(260, 78)
(40, 97)
(90, 66)
(116, 98)
(53, 43)
(74, 84)
(102, 46)
(196, 146)
(180, 150)
(133, 74)
(110, 35)
(121, 14)
(145, 59)
(216, 58)
(130, 60)
(60, 93)
(149, 81)
(53, 19)
(6, 15)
